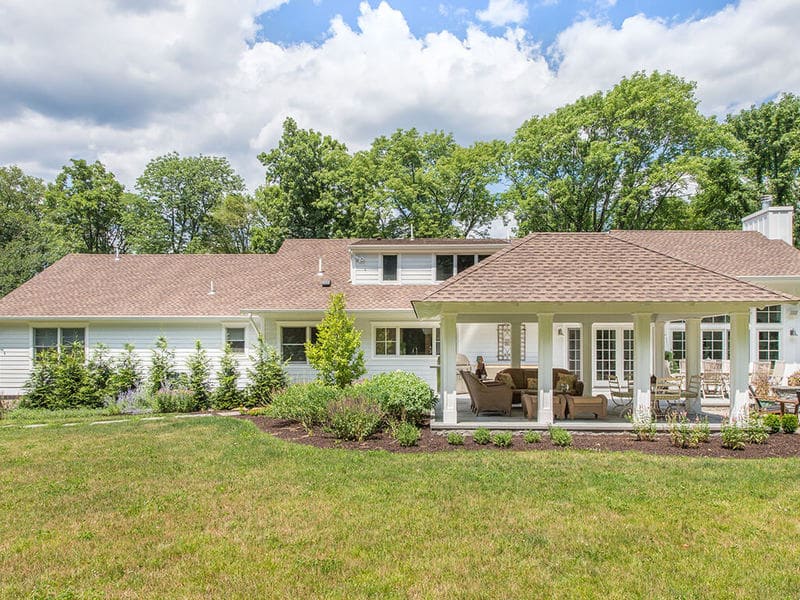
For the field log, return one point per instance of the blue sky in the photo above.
(124, 81)
(309, 20)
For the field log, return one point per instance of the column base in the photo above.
(545, 408)
(449, 408)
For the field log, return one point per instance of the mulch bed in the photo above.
(779, 445)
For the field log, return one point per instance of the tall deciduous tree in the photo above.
(431, 183)
(27, 245)
(177, 196)
(624, 159)
(85, 204)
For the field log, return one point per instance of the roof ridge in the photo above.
(513, 244)
(702, 268)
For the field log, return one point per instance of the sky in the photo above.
(124, 81)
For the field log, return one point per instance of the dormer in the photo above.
(424, 261)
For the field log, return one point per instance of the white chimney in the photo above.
(773, 222)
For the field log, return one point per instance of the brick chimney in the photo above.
(774, 222)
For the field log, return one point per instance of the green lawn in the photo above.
(215, 508)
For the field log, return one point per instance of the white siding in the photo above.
(15, 358)
(416, 268)
(366, 268)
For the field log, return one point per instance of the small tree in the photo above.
(41, 385)
(267, 376)
(337, 355)
(99, 375)
(127, 371)
(162, 367)
(199, 373)
(227, 395)
(72, 388)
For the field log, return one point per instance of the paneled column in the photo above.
(516, 343)
(740, 365)
(587, 365)
(642, 352)
(545, 342)
(447, 366)
(658, 349)
(692, 341)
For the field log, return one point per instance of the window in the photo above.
(504, 341)
(770, 314)
(678, 345)
(574, 350)
(606, 354)
(627, 354)
(234, 336)
(769, 345)
(713, 345)
(389, 267)
(717, 319)
(444, 266)
(406, 341)
(293, 342)
(483, 257)
(465, 261)
(386, 341)
(56, 338)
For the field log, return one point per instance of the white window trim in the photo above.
(455, 263)
(380, 269)
(406, 325)
(57, 325)
(236, 325)
(778, 330)
(619, 356)
(281, 324)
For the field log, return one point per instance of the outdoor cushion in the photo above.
(507, 379)
(533, 383)
(568, 380)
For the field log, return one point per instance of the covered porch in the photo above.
(610, 282)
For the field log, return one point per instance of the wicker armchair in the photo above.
(492, 397)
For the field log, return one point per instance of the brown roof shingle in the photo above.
(736, 253)
(592, 267)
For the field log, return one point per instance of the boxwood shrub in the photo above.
(402, 396)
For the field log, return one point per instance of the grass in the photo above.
(215, 508)
(25, 416)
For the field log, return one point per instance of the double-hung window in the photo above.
(406, 341)
(389, 267)
(293, 342)
(57, 338)
(234, 337)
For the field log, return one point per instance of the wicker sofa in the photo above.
(521, 375)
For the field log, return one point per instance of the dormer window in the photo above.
(389, 267)
(444, 266)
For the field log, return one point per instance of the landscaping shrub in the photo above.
(681, 432)
(794, 379)
(789, 423)
(304, 403)
(128, 402)
(560, 437)
(503, 439)
(532, 437)
(199, 374)
(703, 430)
(756, 432)
(455, 439)
(99, 377)
(644, 428)
(772, 423)
(402, 396)
(61, 380)
(733, 437)
(481, 436)
(406, 434)
(127, 372)
(162, 367)
(177, 400)
(41, 385)
(227, 395)
(267, 376)
(336, 354)
(354, 418)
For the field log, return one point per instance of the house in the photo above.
(594, 303)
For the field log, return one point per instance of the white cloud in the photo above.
(503, 12)
(128, 81)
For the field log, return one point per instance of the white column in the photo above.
(740, 363)
(658, 349)
(447, 368)
(587, 366)
(545, 340)
(516, 343)
(692, 340)
(642, 352)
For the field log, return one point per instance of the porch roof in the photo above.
(594, 268)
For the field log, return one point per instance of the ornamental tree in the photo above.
(336, 354)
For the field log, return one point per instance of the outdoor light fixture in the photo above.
(793, 332)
